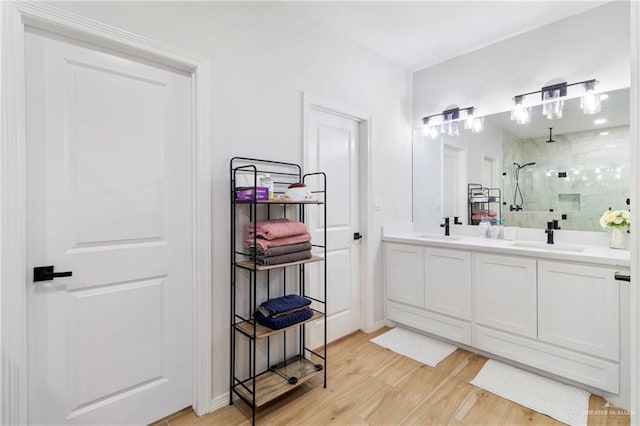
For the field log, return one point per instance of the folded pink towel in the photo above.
(483, 212)
(278, 242)
(277, 228)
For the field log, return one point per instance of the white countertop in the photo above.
(594, 254)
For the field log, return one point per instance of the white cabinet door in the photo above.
(506, 293)
(579, 308)
(404, 276)
(448, 282)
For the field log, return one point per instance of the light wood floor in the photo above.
(368, 384)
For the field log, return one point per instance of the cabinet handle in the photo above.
(622, 277)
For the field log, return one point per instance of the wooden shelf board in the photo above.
(280, 202)
(262, 331)
(271, 385)
(248, 264)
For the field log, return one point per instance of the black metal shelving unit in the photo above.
(483, 198)
(264, 380)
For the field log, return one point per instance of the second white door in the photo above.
(332, 146)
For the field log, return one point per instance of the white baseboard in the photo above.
(375, 326)
(219, 401)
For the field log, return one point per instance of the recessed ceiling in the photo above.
(415, 35)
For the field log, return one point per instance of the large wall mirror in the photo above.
(571, 169)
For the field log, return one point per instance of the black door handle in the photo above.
(357, 236)
(45, 273)
(622, 277)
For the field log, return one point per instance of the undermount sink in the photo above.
(548, 247)
(440, 237)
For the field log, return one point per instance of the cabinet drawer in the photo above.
(579, 308)
(505, 293)
(439, 325)
(591, 371)
(404, 273)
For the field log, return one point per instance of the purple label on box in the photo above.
(245, 193)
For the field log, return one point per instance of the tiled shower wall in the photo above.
(597, 168)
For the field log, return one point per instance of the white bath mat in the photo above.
(415, 346)
(565, 403)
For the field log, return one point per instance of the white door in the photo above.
(452, 182)
(332, 147)
(109, 198)
(488, 172)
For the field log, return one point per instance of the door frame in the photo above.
(367, 248)
(15, 16)
(463, 168)
(635, 221)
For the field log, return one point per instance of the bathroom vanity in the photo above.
(557, 309)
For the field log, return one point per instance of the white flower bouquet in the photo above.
(615, 219)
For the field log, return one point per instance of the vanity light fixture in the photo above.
(553, 97)
(448, 122)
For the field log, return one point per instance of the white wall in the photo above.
(593, 44)
(263, 57)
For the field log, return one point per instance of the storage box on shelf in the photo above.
(286, 362)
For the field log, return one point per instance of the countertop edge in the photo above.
(501, 247)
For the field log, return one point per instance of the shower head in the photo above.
(524, 165)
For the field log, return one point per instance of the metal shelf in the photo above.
(248, 264)
(279, 202)
(277, 382)
(254, 387)
(261, 331)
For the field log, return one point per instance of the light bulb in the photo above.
(478, 125)
(552, 107)
(453, 128)
(590, 100)
(520, 114)
(469, 119)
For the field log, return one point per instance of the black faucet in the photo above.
(549, 232)
(445, 225)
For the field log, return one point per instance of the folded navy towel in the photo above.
(284, 320)
(282, 304)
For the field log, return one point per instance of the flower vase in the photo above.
(618, 238)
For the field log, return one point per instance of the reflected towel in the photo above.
(277, 228)
(478, 212)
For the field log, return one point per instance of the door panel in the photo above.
(505, 294)
(579, 308)
(115, 156)
(332, 144)
(109, 198)
(405, 273)
(448, 282)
